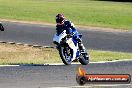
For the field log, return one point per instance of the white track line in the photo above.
(101, 85)
(112, 61)
(8, 65)
(77, 63)
(61, 63)
(95, 62)
(92, 85)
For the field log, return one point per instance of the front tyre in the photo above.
(66, 55)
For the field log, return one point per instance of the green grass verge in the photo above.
(18, 54)
(81, 12)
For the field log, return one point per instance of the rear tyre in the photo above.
(84, 58)
(66, 55)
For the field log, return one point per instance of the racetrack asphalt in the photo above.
(60, 75)
(39, 34)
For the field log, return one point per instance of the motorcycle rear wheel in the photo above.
(84, 59)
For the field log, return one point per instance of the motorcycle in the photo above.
(69, 49)
(1, 27)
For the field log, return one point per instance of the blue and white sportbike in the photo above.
(69, 50)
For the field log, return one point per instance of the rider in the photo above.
(63, 24)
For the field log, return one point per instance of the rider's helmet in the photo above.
(60, 18)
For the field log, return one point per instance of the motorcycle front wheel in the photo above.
(66, 55)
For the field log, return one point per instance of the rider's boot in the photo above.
(81, 46)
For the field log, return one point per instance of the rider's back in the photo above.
(68, 26)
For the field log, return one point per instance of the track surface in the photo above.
(57, 76)
(42, 35)
(61, 76)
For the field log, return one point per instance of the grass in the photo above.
(18, 54)
(98, 55)
(81, 12)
